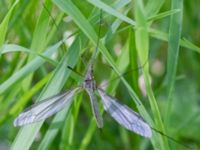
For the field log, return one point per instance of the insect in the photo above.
(121, 113)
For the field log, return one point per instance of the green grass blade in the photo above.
(6, 48)
(173, 52)
(163, 14)
(183, 42)
(51, 133)
(4, 23)
(28, 68)
(27, 95)
(27, 134)
(39, 38)
(153, 32)
(142, 46)
(41, 29)
(88, 136)
(111, 11)
(153, 7)
(15, 109)
(134, 63)
(69, 130)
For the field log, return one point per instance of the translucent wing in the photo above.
(95, 108)
(125, 116)
(45, 108)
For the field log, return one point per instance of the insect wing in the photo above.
(125, 116)
(95, 108)
(45, 108)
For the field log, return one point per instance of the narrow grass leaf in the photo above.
(73, 59)
(27, 134)
(41, 29)
(15, 109)
(69, 129)
(39, 38)
(173, 52)
(183, 42)
(142, 46)
(153, 32)
(134, 63)
(28, 68)
(7, 48)
(24, 99)
(4, 23)
(163, 14)
(153, 7)
(111, 11)
(88, 136)
(120, 3)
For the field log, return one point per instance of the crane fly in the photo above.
(121, 113)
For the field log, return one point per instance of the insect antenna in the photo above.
(63, 46)
(124, 74)
(98, 40)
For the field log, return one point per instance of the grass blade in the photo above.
(142, 46)
(6, 48)
(4, 23)
(27, 134)
(173, 52)
(50, 134)
(28, 68)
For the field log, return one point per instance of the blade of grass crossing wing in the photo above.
(27, 134)
(24, 99)
(51, 134)
(45, 108)
(67, 138)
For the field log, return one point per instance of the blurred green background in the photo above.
(152, 44)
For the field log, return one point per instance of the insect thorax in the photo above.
(89, 84)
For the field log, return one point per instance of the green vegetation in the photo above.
(148, 56)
